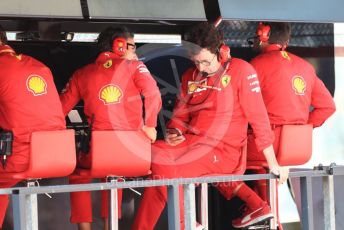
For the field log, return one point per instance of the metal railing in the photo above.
(24, 199)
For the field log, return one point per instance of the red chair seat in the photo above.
(52, 155)
(118, 153)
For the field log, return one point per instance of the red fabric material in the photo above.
(121, 110)
(128, 80)
(22, 110)
(251, 198)
(28, 102)
(286, 105)
(81, 203)
(214, 121)
(223, 115)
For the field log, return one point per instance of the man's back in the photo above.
(289, 87)
(28, 97)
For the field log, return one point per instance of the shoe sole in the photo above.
(255, 221)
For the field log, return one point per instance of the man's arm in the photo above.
(152, 103)
(322, 102)
(254, 109)
(70, 95)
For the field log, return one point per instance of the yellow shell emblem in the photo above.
(110, 94)
(225, 80)
(36, 85)
(285, 55)
(192, 87)
(107, 64)
(299, 85)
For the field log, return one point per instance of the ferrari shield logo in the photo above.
(225, 80)
(107, 64)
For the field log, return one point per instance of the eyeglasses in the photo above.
(132, 45)
(204, 62)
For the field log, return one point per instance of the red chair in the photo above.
(294, 148)
(117, 154)
(52, 155)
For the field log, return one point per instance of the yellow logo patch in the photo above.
(110, 94)
(36, 85)
(107, 64)
(299, 85)
(196, 86)
(285, 55)
(225, 80)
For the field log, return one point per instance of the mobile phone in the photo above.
(174, 131)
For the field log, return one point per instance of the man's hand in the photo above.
(274, 167)
(150, 132)
(282, 172)
(174, 137)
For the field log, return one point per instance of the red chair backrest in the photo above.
(120, 153)
(295, 147)
(52, 154)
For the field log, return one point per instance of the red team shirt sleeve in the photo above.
(254, 109)
(148, 88)
(322, 103)
(70, 95)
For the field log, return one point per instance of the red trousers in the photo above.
(194, 157)
(81, 202)
(10, 167)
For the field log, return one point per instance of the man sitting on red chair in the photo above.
(28, 102)
(111, 89)
(289, 86)
(217, 100)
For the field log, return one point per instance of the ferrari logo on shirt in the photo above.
(110, 94)
(285, 55)
(107, 64)
(225, 80)
(196, 86)
(36, 85)
(299, 85)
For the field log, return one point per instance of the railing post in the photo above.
(113, 206)
(329, 204)
(273, 203)
(189, 207)
(306, 203)
(173, 207)
(25, 214)
(203, 205)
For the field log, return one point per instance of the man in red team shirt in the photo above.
(111, 89)
(28, 102)
(289, 86)
(208, 128)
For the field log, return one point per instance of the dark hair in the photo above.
(106, 37)
(279, 32)
(3, 37)
(203, 35)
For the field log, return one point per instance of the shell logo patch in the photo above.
(107, 64)
(110, 94)
(36, 85)
(225, 80)
(285, 55)
(299, 85)
(196, 86)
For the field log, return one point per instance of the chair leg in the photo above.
(113, 206)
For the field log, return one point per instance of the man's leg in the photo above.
(81, 205)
